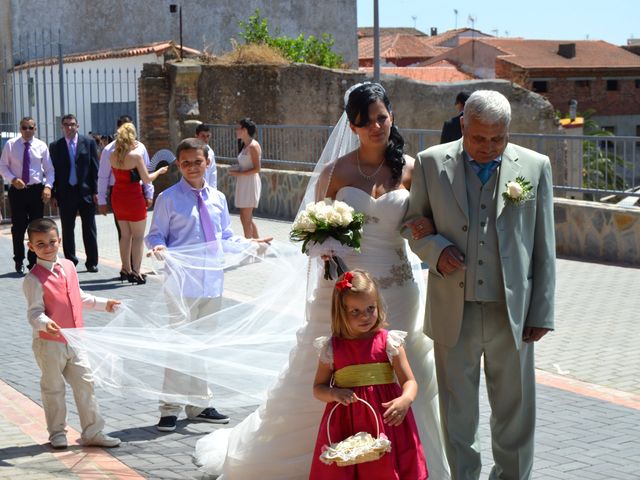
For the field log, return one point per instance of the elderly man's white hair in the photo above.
(489, 107)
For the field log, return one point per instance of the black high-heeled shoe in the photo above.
(124, 276)
(137, 278)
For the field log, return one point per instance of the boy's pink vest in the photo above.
(62, 302)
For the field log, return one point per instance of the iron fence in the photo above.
(582, 164)
(36, 82)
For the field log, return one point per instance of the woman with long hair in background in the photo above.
(128, 203)
(247, 173)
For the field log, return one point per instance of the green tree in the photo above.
(300, 49)
(601, 167)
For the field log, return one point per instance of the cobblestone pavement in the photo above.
(588, 384)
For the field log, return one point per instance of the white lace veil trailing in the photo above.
(238, 350)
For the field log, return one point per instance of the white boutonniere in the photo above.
(518, 191)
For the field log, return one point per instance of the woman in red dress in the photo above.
(128, 202)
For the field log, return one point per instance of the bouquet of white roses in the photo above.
(323, 221)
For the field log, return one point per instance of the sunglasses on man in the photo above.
(27, 127)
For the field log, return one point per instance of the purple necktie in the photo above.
(205, 219)
(26, 164)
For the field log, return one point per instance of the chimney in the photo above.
(567, 50)
(434, 31)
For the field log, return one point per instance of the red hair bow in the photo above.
(345, 282)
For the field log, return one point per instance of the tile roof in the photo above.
(159, 48)
(438, 40)
(368, 31)
(544, 54)
(396, 46)
(441, 72)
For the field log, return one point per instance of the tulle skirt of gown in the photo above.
(276, 441)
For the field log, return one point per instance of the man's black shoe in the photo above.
(92, 268)
(167, 424)
(211, 415)
(19, 267)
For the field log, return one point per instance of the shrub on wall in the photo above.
(300, 49)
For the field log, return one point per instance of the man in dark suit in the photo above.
(451, 129)
(75, 161)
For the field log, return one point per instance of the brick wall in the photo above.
(591, 95)
(154, 94)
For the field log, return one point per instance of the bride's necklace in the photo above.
(368, 177)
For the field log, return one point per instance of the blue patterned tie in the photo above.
(73, 177)
(486, 169)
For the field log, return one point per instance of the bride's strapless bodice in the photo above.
(383, 252)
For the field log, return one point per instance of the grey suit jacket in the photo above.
(526, 238)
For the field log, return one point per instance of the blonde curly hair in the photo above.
(125, 141)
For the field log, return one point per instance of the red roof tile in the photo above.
(384, 31)
(396, 46)
(159, 48)
(441, 72)
(544, 54)
(444, 37)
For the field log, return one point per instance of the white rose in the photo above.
(347, 218)
(333, 218)
(514, 190)
(345, 212)
(303, 222)
(321, 211)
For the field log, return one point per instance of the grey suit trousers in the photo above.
(510, 379)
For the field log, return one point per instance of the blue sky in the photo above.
(614, 21)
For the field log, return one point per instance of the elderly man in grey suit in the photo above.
(490, 292)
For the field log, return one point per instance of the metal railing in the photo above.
(582, 164)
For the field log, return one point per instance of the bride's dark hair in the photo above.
(357, 110)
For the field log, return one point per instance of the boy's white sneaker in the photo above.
(59, 441)
(102, 440)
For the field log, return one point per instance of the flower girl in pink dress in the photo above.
(363, 361)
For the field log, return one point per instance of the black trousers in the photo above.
(70, 204)
(26, 205)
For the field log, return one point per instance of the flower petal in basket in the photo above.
(358, 448)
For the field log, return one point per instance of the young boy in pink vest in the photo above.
(55, 301)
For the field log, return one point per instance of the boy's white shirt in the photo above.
(34, 294)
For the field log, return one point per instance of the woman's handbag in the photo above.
(358, 448)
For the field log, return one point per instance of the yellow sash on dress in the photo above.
(364, 374)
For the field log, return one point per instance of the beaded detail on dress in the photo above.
(400, 272)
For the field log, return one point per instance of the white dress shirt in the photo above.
(40, 166)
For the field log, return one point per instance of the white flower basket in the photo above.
(358, 448)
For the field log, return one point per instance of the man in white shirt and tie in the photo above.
(25, 165)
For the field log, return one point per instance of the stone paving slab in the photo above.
(588, 403)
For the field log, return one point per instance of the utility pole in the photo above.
(376, 43)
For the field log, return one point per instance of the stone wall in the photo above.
(597, 232)
(306, 95)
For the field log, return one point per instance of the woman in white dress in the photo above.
(276, 441)
(247, 173)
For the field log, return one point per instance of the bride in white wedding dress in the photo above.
(276, 441)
